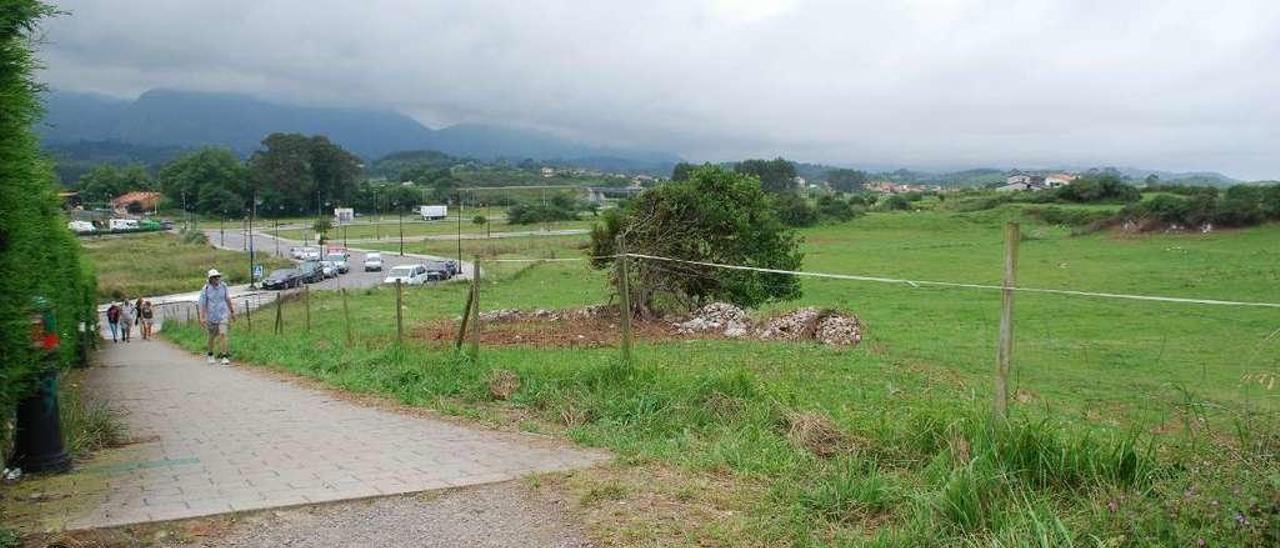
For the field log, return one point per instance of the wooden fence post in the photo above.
(1004, 351)
(399, 313)
(475, 309)
(306, 301)
(279, 315)
(248, 315)
(466, 319)
(624, 300)
(346, 317)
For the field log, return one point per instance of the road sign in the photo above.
(257, 272)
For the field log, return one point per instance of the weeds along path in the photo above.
(210, 439)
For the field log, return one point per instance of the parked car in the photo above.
(311, 254)
(438, 271)
(373, 262)
(409, 274)
(299, 253)
(283, 278)
(453, 267)
(340, 260)
(330, 270)
(82, 227)
(311, 272)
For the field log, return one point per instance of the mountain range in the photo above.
(171, 118)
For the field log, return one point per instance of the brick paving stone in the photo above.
(218, 439)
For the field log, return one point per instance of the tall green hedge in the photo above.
(38, 254)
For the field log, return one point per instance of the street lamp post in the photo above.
(459, 227)
(253, 210)
(400, 212)
(222, 229)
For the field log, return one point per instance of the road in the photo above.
(266, 243)
(181, 306)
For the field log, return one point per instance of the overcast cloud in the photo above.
(1162, 84)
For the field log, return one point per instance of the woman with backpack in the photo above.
(113, 321)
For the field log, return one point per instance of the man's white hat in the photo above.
(213, 272)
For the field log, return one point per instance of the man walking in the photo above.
(215, 312)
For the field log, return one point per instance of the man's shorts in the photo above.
(217, 328)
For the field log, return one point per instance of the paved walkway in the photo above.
(215, 439)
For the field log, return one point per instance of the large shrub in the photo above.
(794, 210)
(39, 257)
(1098, 188)
(714, 216)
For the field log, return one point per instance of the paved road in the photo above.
(266, 243)
(215, 439)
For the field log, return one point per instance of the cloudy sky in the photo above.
(1161, 84)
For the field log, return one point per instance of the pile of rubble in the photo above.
(823, 325)
(720, 318)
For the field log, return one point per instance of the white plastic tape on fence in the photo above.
(917, 283)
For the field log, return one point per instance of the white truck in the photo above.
(123, 224)
(433, 212)
(82, 227)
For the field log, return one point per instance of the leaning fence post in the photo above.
(346, 317)
(466, 319)
(1004, 351)
(399, 313)
(624, 300)
(475, 309)
(248, 315)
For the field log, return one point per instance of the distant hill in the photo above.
(168, 118)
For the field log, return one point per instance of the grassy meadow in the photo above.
(161, 263)
(1134, 423)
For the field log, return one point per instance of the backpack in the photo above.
(113, 314)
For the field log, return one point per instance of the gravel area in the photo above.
(503, 514)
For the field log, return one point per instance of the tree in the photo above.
(186, 179)
(106, 181)
(295, 173)
(681, 171)
(794, 210)
(715, 216)
(777, 175)
(847, 180)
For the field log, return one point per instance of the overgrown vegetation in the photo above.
(39, 257)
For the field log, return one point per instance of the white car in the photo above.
(311, 254)
(408, 274)
(329, 268)
(299, 253)
(82, 227)
(373, 261)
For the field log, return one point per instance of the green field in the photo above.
(159, 264)
(1135, 422)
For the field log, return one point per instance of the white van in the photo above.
(123, 224)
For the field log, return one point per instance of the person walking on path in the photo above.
(215, 311)
(146, 319)
(128, 315)
(113, 321)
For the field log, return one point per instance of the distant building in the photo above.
(1017, 177)
(1058, 180)
(548, 172)
(136, 202)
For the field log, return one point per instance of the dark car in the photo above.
(283, 278)
(438, 271)
(311, 272)
(453, 267)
